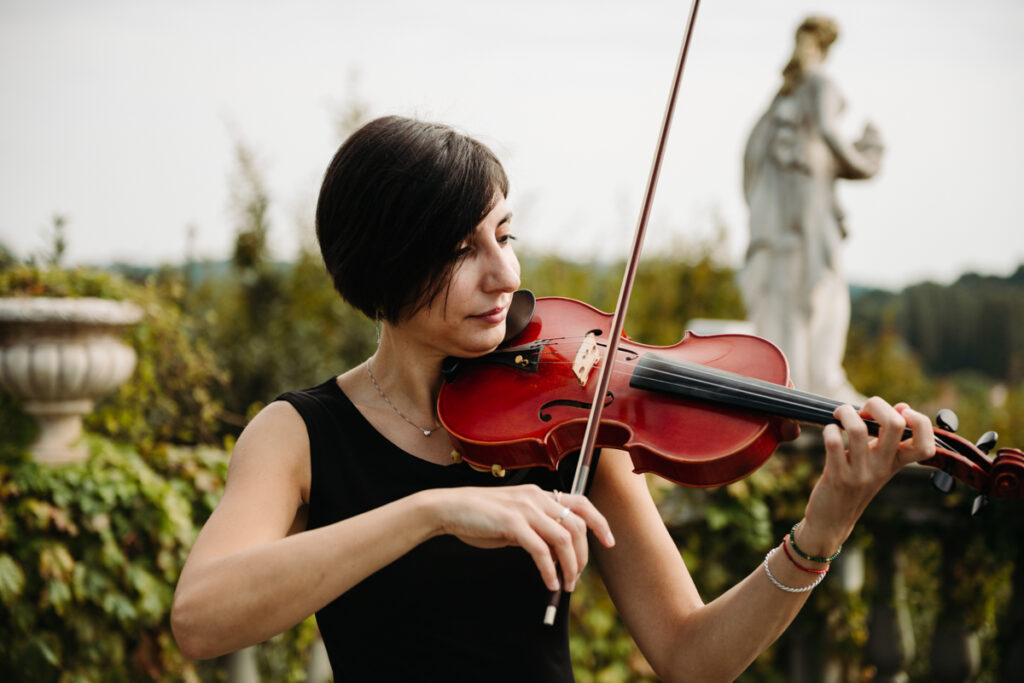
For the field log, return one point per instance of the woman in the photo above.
(342, 499)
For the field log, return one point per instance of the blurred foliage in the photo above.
(90, 552)
(973, 324)
(89, 555)
(671, 288)
(273, 327)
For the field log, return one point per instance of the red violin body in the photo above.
(704, 412)
(538, 415)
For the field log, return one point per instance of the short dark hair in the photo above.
(397, 200)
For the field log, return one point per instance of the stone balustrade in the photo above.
(906, 514)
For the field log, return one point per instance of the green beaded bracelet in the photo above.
(810, 558)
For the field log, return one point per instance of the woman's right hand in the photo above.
(526, 516)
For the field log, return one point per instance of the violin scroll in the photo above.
(1008, 474)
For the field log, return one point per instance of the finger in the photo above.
(789, 429)
(856, 433)
(578, 529)
(561, 546)
(890, 425)
(577, 526)
(835, 449)
(540, 551)
(921, 445)
(592, 518)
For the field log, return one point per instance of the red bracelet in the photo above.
(785, 546)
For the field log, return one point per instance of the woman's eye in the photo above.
(507, 239)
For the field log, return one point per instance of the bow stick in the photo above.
(619, 317)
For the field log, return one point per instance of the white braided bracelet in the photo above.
(782, 586)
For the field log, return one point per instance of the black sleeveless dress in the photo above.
(445, 611)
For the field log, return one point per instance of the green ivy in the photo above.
(89, 556)
(90, 552)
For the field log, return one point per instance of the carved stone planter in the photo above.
(56, 356)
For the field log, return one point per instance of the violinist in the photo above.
(342, 499)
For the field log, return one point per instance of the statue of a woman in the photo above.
(793, 284)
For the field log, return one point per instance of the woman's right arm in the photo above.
(247, 579)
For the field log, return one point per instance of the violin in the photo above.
(706, 411)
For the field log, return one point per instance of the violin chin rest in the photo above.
(520, 313)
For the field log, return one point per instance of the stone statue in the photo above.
(792, 282)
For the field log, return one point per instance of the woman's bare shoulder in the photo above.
(274, 444)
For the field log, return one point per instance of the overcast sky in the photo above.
(123, 116)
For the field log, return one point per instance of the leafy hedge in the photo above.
(89, 556)
(90, 552)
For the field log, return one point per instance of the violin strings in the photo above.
(825, 416)
(820, 409)
(814, 408)
(750, 387)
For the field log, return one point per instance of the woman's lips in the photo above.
(493, 316)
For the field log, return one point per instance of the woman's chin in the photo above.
(482, 344)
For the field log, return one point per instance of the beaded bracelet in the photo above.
(810, 558)
(785, 547)
(782, 586)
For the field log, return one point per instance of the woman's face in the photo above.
(468, 318)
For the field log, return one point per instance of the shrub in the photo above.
(89, 555)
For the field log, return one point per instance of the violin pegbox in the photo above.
(956, 458)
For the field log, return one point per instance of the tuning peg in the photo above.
(987, 441)
(981, 502)
(947, 419)
(943, 481)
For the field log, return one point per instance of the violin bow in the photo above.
(582, 475)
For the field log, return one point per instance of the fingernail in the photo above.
(609, 540)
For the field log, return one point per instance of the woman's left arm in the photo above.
(685, 639)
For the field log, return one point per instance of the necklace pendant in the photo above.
(426, 432)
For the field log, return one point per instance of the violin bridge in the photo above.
(586, 358)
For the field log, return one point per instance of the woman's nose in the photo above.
(505, 271)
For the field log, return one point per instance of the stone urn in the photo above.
(56, 356)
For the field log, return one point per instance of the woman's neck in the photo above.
(407, 372)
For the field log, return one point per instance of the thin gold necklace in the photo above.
(426, 432)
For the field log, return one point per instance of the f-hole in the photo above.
(609, 398)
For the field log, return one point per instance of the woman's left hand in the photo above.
(854, 473)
